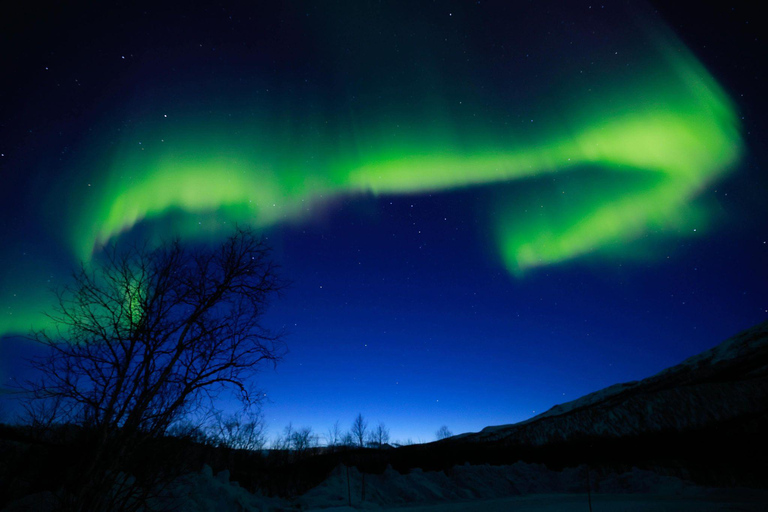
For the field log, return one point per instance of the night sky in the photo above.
(484, 208)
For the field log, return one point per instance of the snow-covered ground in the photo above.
(479, 482)
(600, 503)
(519, 487)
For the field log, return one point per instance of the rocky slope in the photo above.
(728, 382)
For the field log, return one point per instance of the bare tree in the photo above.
(348, 440)
(282, 441)
(443, 433)
(380, 435)
(241, 432)
(144, 336)
(295, 443)
(302, 440)
(334, 435)
(359, 430)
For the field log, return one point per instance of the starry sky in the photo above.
(484, 208)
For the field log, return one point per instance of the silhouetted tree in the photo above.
(302, 440)
(359, 430)
(348, 440)
(334, 436)
(379, 436)
(241, 432)
(141, 338)
(295, 443)
(443, 433)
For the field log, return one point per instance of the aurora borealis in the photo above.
(555, 140)
(682, 128)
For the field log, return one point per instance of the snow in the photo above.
(520, 487)
(731, 349)
(479, 482)
(745, 342)
(716, 385)
(600, 503)
(204, 492)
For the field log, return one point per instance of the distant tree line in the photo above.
(249, 432)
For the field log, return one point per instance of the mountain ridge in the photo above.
(725, 382)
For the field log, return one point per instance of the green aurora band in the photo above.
(657, 134)
(684, 135)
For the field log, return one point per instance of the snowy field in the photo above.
(734, 501)
(517, 487)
